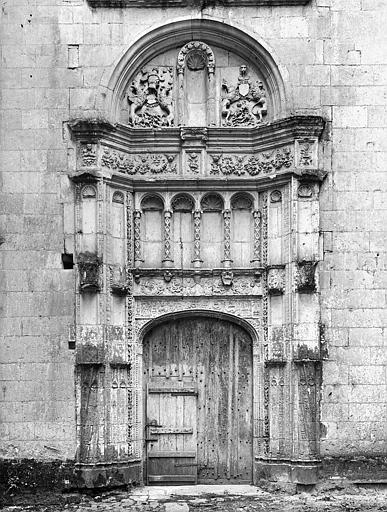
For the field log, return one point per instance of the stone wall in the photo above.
(54, 56)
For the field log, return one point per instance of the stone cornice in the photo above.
(187, 3)
(195, 154)
(265, 137)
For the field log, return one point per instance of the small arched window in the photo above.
(152, 208)
(241, 229)
(182, 207)
(212, 237)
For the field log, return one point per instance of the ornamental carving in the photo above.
(88, 155)
(132, 164)
(236, 285)
(196, 55)
(253, 165)
(243, 308)
(276, 280)
(119, 283)
(245, 103)
(150, 98)
(89, 272)
(193, 162)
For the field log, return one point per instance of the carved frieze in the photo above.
(276, 280)
(253, 165)
(192, 162)
(150, 98)
(245, 103)
(149, 308)
(189, 286)
(138, 164)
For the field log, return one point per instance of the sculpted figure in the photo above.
(150, 99)
(244, 104)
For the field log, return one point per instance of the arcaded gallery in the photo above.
(183, 312)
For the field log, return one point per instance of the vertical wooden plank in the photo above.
(229, 402)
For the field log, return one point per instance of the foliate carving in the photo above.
(89, 266)
(276, 280)
(245, 103)
(305, 276)
(243, 308)
(227, 284)
(196, 55)
(89, 192)
(89, 155)
(150, 98)
(264, 163)
(227, 236)
(193, 133)
(150, 163)
(167, 236)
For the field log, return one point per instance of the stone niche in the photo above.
(196, 85)
(200, 199)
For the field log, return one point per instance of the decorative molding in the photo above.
(305, 191)
(245, 103)
(257, 238)
(150, 98)
(306, 153)
(227, 238)
(197, 226)
(137, 237)
(226, 284)
(276, 280)
(189, 134)
(253, 165)
(167, 260)
(140, 164)
(148, 308)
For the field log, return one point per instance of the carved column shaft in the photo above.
(197, 224)
(180, 95)
(257, 238)
(168, 260)
(227, 238)
(137, 237)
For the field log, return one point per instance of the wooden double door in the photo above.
(198, 402)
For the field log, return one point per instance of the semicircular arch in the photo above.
(238, 40)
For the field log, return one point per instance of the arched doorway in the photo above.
(198, 384)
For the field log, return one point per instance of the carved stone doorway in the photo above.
(198, 387)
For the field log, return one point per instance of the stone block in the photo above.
(294, 26)
(370, 374)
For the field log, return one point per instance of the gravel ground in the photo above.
(201, 498)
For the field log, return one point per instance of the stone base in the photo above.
(26, 475)
(108, 475)
(304, 473)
